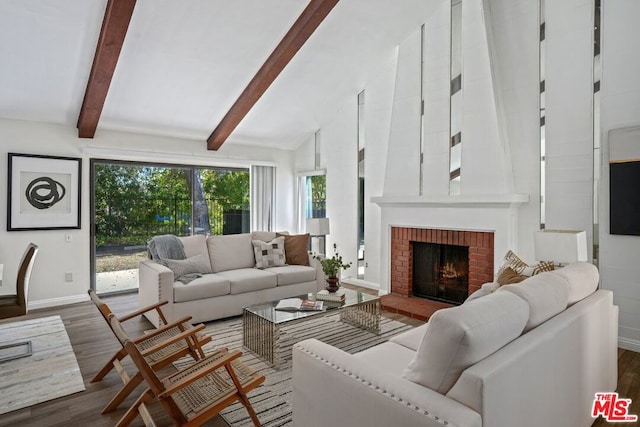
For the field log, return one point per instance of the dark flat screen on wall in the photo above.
(625, 198)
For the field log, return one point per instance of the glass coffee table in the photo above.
(261, 323)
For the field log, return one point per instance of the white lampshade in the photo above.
(561, 246)
(318, 226)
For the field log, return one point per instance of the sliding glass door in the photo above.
(132, 202)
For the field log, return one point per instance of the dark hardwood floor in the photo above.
(94, 344)
(628, 385)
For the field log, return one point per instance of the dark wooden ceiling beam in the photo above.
(114, 30)
(312, 16)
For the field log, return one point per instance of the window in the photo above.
(132, 202)
(316, 196)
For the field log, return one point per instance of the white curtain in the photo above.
(263, 197)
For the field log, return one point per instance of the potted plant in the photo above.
(331, 267)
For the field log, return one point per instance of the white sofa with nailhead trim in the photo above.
(530, 354)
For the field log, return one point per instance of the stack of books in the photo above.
(338, 296)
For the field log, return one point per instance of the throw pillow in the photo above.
(477, 294)
(490, 287)
(509, 277)
(295, 248)
(547, 295)
(511, 260)
(269, 254)
(582, 280)
(181, 267)
(461, 336)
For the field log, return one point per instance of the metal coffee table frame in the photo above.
(261, 322)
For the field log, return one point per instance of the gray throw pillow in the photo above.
(269, 254)
(194, 264)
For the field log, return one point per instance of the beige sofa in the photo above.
(530, 354)
(234, 283)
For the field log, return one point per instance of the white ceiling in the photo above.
(184, 63)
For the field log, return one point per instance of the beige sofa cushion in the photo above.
(230, 252)
(412, 338)
(195, 245)
(387, 357)
(582, 279)
(249, 279)
(546, 293)
(265, 236)
(293, 274)
(207, 286)
(461, 336)
(482, 292)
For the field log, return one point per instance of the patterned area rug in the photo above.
(272, 400)
(51, 371)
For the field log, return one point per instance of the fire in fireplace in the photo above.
(441, 272)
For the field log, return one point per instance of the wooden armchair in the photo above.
(158, 356)
(16, 305)
(196, 393)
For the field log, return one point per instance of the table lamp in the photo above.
(318, 228)
(561, 246)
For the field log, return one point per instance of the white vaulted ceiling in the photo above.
(184, 63)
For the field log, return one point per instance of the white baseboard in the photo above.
(55, 302)
(629, 344)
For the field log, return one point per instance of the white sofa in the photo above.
(235, 283)
(476, 373)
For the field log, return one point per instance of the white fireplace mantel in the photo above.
(472, 201)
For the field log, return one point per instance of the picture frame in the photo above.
(44, 192)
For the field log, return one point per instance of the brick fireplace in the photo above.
(479, 243)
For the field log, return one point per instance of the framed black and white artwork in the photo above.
(43, 192)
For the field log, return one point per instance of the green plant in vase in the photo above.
(331, 267)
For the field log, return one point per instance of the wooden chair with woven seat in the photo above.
(158, 356)
(196, 393)
(16, 304)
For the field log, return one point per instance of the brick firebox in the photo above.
(480, 245)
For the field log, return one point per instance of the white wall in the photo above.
(304, 156)
(569, 115)
(340, 154)
(56, 257)
(436, 83)
(486, 164)
(620, 108)
(378, 98)
(402, 171)
(512, 27)
(486, 167)
(339, 157)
